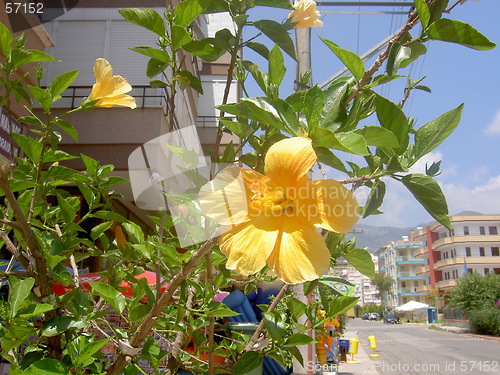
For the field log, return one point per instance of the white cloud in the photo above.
(493, 127)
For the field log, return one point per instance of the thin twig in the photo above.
(260, 328)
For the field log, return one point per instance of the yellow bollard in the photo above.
(373, 345)
(353, 349)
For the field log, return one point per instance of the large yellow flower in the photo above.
(272, 219)
(110, 89)
(305, 14)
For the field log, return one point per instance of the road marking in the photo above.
(431, 338)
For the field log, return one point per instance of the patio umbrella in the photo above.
(412, 305)
(331, 286)
(125, 287)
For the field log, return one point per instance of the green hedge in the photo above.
(486, 321)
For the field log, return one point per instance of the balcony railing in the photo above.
(408, 275)
(408, 259)
(408, 290)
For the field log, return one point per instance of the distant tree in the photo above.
(475, 291)
(383, 283)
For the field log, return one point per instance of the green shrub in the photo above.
(486, 321)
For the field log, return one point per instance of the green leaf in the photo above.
(351, 60)
(432, 134)
(180, 37)
(423, 12)
(275, 327)
(60, 324)
(362, 261)
(203, 49)
(375, 198)
(314, 103)
(67, 127)
(299, 339)
(423, 88)
(42, 96)
(242, 130)
(247, 363)
(259, 48)
(218, 309)
(90, 164)
(310, 286)
(397, 55)
(277, 67)
(284, 4)
(19, 291)
(428, 192)
(325, 156)
(39, 56)
(342, 304)
(334, 114)
(148, 18)
(188, 10)
(155, 67)
(381, 79)
(347, 142)
(188, 78)
(392, 118)
(261, 78)
(134, 232)
(110, 294)
(416, 50)
(46, 366)
(378, 136)
(86, 192)
(454, 31)
(436, 9)
(278, 34)
(155, 53)
(100, 229)
(90, 349)
(68, 212)
(6, 40)
(35, 309)
(62, 82)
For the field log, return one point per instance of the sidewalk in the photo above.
(365, 365)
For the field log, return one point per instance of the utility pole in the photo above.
(303, 52)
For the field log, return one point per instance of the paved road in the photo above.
(416, 349)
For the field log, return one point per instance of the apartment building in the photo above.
(365, 290)
(95, 29)
(399, 260)
(471, 246)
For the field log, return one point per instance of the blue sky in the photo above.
(470, 156)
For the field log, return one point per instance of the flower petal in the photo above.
(102, 70)
(122, 99)
(112, 86)
(330, 205)
(288, 161)
(249, 244)
(224, 199)
(300, 254)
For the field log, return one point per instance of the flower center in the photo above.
(267, 199)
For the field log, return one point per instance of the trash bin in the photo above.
(248, 329)
(343, 350)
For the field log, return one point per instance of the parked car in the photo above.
(365, 316)
(390, 319)
(374, 316)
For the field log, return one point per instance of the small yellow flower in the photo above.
(305, 14)
(272, 219)
(110, 89)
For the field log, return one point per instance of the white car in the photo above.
(374, 316)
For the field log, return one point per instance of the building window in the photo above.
(469, 270)
(482, 231)
(481, 251)
(495, 252)
(497, 271)
(493, 230)
(486, 270)
(466, 231)
(467, 251)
